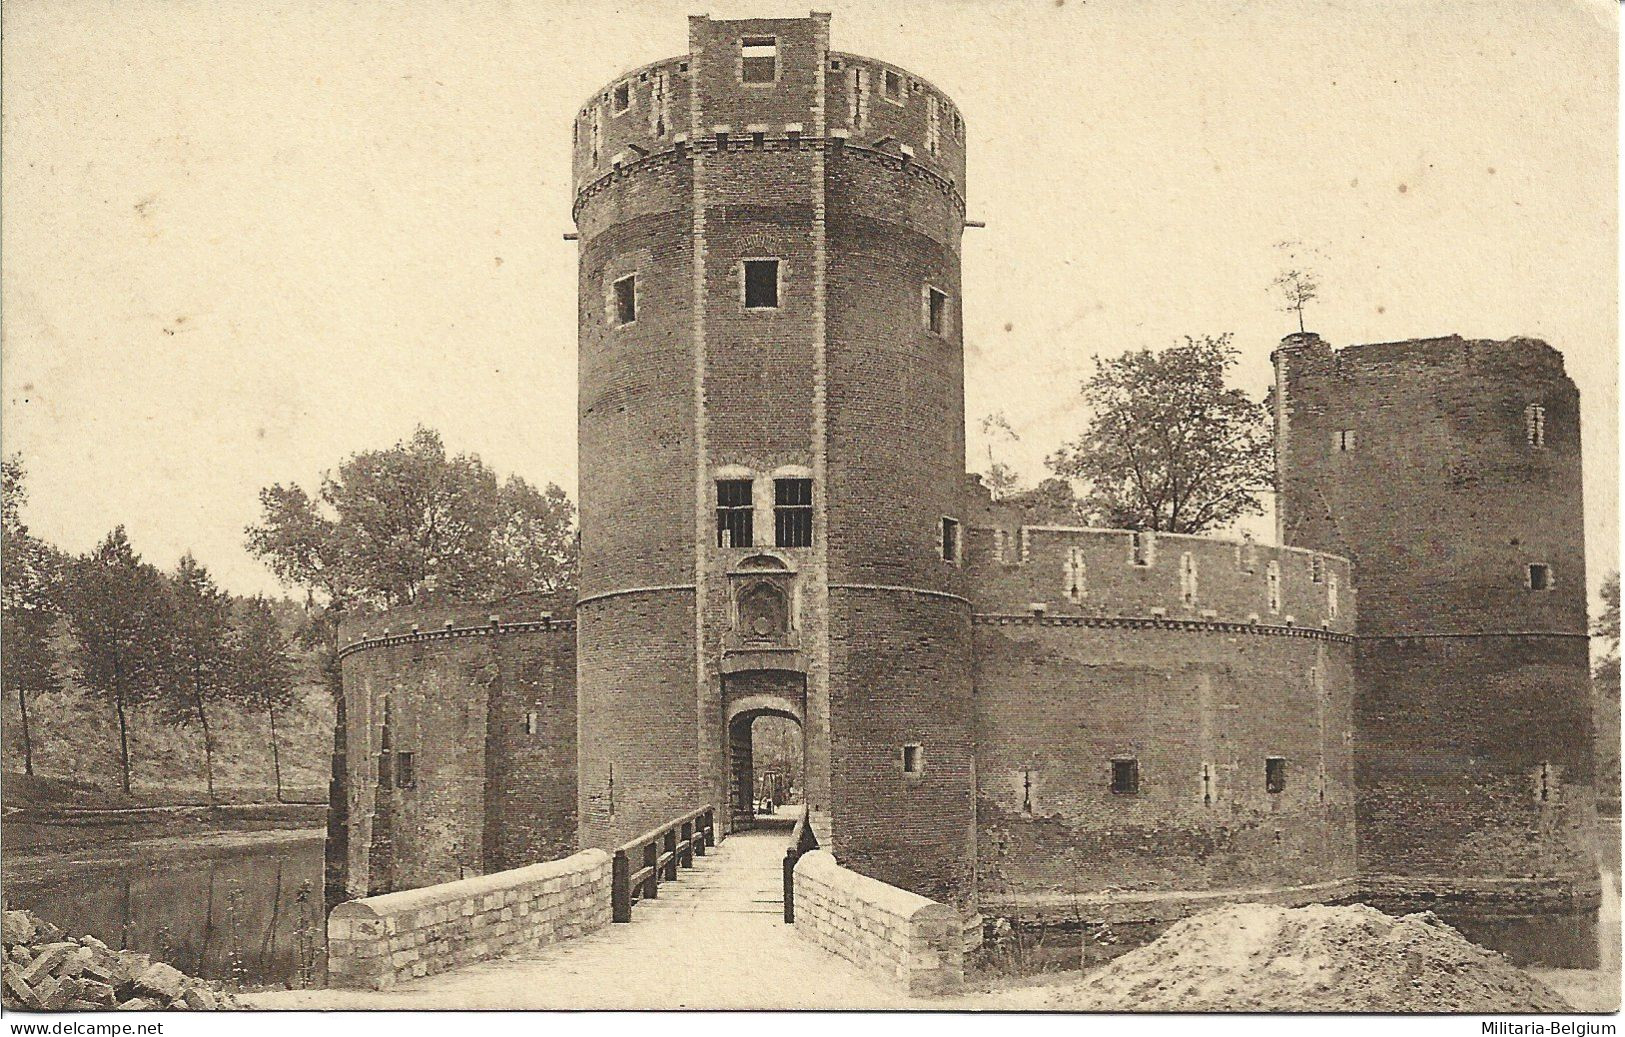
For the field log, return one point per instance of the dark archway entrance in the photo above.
(767, 769)
(766, 752)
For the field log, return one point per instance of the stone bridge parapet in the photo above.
(379, 941)
(902, 938)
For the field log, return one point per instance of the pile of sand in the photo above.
(1255, 958)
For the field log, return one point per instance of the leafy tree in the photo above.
(29, 573)
(394, 526)
(1168, 446)
(203, 651)
(1000, 479)
(1607, 623)
(122, 618)
(262, 673)
(1298, 284)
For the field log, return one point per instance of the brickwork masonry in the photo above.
(375, 943)
(918, 945)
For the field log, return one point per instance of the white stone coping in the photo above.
(451, 892)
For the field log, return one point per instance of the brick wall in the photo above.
(1474, 689)
(901, 938)
(377, 942)
(1199, 711)
(487, 793)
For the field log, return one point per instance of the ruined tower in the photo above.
(1448, 471)
(772, 444)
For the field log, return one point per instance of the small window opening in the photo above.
(759, 59)
(936, 311)
(1125, 777)
(533, 723)
(1074, 586)
(893, 86)
(792, 512)
(1142, 547)
(1345, 440)
(1187, 578)
(626, 299)
(913, 759)
(1540, 577)
(405, 771)
(950, 540)
(758, 140)
(1207, 784)
(734, 513)
(623, 98)
(1272, 581)
(1545, 782)
(1274, 774)
(1534, 425)
(761, 284)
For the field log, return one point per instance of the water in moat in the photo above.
(250, 916)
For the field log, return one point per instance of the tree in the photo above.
(262, 673)
(1607, 623)
(1298, 284)
(29, 573)
(392, 527)
(121, 615)
(1000, 479)
(1168, 447)
(203, 651)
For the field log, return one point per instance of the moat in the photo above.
(244, 910)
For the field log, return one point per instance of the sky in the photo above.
(244, 240)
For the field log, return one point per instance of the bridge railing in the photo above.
(802, 840)
(638, 867)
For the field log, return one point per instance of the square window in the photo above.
(792, 512)
(405, 771)
(735, 513)
(1274, 774)
(1125, 777)
(758, 60)
(626, 299)
(1540, 577)
(893, 86)
(623, 98)
(950, 540)
(761, 284)
(936, 311)
(913, 759)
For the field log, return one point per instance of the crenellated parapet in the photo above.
(1067, 572)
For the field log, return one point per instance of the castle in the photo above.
(997, 711)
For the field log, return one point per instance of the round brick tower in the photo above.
(1448, 471)
(772, 445)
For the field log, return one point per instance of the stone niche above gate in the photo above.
(763, 600)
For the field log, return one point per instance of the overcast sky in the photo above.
(244, 240)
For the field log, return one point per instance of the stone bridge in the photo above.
(710, 932)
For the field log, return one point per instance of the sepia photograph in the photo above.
(1080, 507)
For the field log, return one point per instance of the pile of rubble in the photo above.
(45, 970)
(1256, 958)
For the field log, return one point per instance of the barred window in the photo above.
(1534, 425)
(734, 513)
(792, 512)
